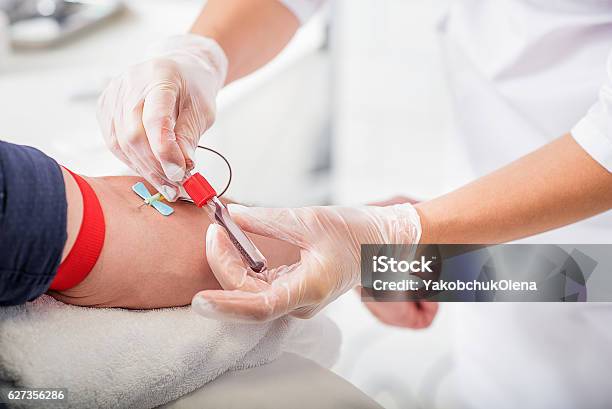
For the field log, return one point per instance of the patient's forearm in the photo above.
(149, 260)
(556, 185)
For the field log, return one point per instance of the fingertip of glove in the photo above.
(169, 193)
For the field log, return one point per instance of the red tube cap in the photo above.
(198, 189)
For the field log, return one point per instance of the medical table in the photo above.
(289, 382)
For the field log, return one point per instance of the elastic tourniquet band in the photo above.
(89, 242)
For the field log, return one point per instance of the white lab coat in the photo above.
(523, 72)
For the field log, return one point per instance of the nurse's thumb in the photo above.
(277, 223)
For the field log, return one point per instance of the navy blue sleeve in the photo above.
(32, 222)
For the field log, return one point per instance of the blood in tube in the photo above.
(249, 253)
(205, 196)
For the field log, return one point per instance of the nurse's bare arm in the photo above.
(148, 260)
(251, 32)
(556, 185)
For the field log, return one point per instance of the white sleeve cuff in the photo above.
(594, 135)
(303, 9)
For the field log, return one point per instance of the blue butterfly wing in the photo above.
(141, 190)
(162, 208)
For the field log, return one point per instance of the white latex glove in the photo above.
(152, 116)
(329, 239)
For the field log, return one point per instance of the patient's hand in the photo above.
(149, 260)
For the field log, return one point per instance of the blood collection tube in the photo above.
(204, 196)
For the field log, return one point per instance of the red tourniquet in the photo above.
(89, 242)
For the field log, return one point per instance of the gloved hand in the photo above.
(153, 115)
(329, 239)
(405, 314)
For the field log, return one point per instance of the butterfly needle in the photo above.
(155, 201)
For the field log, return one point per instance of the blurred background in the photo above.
(360, 80)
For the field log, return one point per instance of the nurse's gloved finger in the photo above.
(164, 187)
(189, 126)
(159, 118)
(154, 179)
(241, 305)
(188, 152)
(105, 108)
(105, 116)
(130, 137)
(281, 271)
(226, 264)
(154, 176)
(277, 223)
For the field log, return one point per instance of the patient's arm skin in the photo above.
(148, 260)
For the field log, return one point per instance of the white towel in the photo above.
(114, 358)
